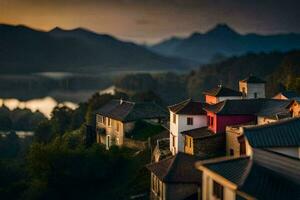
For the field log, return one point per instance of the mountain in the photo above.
(223, 40)
(25, 50)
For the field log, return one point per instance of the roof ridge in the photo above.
(184, 101)
(222, 159)
(170, 167)
(277, 123)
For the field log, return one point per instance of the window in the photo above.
(174, 139)
(118, 126)
(109, 122)
(217, 190)
(103, 120)
(190, 121)
(190, 140)
(231, 152)
(255, 95)
(211, 121)
(244, 91)
(208, 120)
(174, 118)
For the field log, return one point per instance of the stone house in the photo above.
(117, 118)
(203, 142)
(175, 178)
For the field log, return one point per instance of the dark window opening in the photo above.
(190, 121)
(218, 190)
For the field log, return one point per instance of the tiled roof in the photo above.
(198, 133)
(188, 107)
(129, 111)
(177, 169)
(260, 107)
(255, 179)
(253, 79)
(222, 91)
(284, 133)
(231, 169)
(274, 108)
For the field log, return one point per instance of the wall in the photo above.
(251, 88)
(210, 146)
(227, 120)
(181, 125)
(154, 195)
(135, 144)
(295, 109)
(232, 142)
(290, 151)
(264, 120)
(180, 191)
(210, 99)
(116, 137)
(230, 97)
(213, 100)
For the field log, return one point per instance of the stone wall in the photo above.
(135, 144)
(214, 145)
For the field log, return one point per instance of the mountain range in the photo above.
(26, 50)
(223, 41)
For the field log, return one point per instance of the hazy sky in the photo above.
(153, 20)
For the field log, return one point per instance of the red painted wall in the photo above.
(221, 121)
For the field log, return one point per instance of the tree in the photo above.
(43, 132)
(61, 119)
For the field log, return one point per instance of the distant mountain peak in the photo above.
(57, 29)
(222, 29)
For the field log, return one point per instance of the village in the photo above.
(234, 145)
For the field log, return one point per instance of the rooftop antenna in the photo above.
(221, 83)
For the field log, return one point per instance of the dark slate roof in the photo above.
(253, 79)
(289, 94)
(177, 169)
(275, 108)
(260, 107)
(255, 179)
(198, 133)
(231, 169)
(283, 133)
(222, 91)
(129, 111)
(188, 107)
(236, 107)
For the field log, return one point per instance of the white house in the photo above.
(252, 87)
(186, 115)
